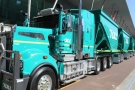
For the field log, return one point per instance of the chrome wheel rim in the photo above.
(110, 61)
(98, 66)
(45, 83)
(105, 63)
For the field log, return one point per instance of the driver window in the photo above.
(67, 24)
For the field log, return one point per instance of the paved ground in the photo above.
(128, 83)
(109, 79)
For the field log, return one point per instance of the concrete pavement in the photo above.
(128, 83)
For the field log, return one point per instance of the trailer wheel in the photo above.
(43, 79)
(109, 62)
(98, 67)
(104, 64)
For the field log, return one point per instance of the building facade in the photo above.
(11, 10)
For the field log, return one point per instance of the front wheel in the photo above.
(43, 79)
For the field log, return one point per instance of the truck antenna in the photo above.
(55, 3)
(103, 5)
(92, 4)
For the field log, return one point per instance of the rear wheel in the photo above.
(104, 64)
(98, 67)
(43, 79)
(109, 62)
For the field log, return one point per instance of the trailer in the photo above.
(131, 47)
(62, 46)
(124, 42)
(106, 37)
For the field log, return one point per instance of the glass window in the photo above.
(32, 35)
(10, 10)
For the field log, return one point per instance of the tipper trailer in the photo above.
(125, 44)
(131, 48)
(61, 47)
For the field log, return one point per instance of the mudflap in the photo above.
(20, 84)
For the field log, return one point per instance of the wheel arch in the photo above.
(45, 65)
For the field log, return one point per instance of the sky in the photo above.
(131, 6)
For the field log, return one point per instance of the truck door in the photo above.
(68, 42)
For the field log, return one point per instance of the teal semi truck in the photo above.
(61, 47)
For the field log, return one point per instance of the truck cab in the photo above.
(47, 53)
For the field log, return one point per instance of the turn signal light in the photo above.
(20, 56)
(65, 11)
(44, 57)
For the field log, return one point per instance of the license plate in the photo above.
(6, 85)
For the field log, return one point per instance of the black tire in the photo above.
(98, 67)
(109, 62)
(34, 80)
(126, 58)
(104, 64)
(112, 61)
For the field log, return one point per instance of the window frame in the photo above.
(38, 36)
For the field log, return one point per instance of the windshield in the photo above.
(50, 21)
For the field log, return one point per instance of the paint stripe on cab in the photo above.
(30, 42)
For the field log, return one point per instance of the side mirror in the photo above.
(69, 23)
